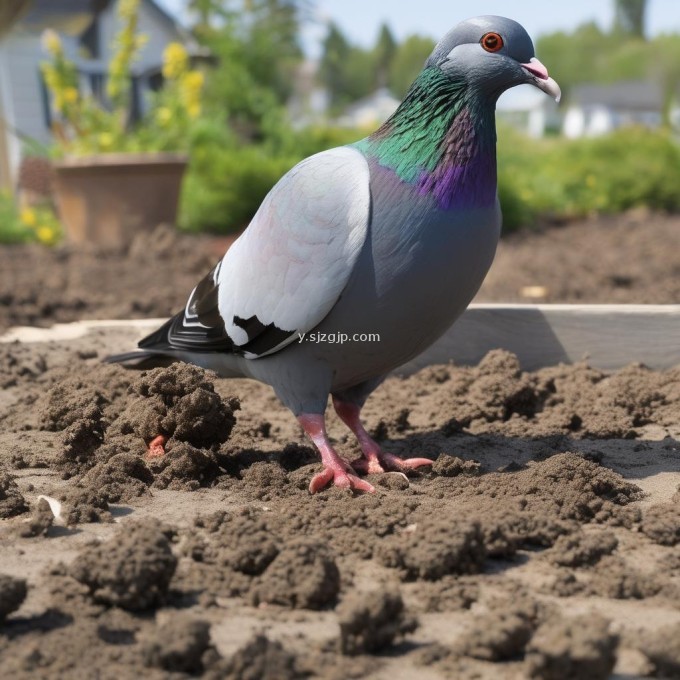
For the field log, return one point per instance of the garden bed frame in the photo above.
(605, 336)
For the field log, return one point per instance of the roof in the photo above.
(71, 17)
(626, 94)
(381, 98)
(74, 16)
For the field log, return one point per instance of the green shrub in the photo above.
(11, 228)
(226, 182)
(37, 223)
(567, 179)
(225, 187)
(553, 178)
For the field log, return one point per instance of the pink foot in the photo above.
(335, 469)
(374, 463)
(156, 447)
(374, 460)
(341, 479)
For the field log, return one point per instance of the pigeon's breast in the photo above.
(420, 267)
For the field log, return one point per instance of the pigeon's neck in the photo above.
(442, 140)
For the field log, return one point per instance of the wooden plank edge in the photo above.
(606, 336)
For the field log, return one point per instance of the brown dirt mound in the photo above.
(11, 500)
(502, 633)
(435, 549)
(12, 594)
(303, 575)
(370, 622)
(178, 645)
(663, 650)
(260, 658)
(132, 571)
(40, 522)
(661, 523)
(105, 420)
(577, 648)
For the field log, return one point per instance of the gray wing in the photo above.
(286, 271)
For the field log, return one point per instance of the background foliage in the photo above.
(241, 141)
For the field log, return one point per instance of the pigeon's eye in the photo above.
(492, 42)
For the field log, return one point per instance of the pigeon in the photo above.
(361, 256)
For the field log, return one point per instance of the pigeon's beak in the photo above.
(540, 78)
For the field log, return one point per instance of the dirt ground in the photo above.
(627, 259)
(544, 543)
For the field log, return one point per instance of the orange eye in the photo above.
(492, 42)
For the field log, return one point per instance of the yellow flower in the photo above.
(591, 181)
(194, 80)
(175, 60)
(163, 115)
(51, 42)
(105, 140)
(46, 235)
(70, 95)
(192, 84)
(128, 8)
(28, 217)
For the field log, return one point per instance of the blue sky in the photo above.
(360, 19)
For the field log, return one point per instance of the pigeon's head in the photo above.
(491, 54)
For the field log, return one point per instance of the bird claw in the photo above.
(156, 447)
(387, 462)
(341, 479)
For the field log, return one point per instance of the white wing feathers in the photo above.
(291, 264)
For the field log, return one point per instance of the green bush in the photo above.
(11, 228)
(552, 178)
(226, 182)
(37, 223)
(567, 179)
(224, 187)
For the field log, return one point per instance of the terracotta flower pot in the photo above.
(107, 198)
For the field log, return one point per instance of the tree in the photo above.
(630, 17)
(383, 54)
(256, 46)
(336, 51)
(408, 62)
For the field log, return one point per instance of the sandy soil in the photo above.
(544, 543)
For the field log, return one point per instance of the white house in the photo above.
(309, 102)
(370, 111)
(598, 109)
(87, 28)
(529, 110)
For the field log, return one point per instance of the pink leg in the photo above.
(374, 459)
(335, 469)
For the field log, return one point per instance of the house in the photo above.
(87, 28)
(528, 109)
(308, 105)
(370, 111)
(598, 109)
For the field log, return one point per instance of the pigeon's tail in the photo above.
(142, 359)
(154, 351)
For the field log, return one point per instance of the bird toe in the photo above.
(341, 479)
(321, 480)
(156, 447)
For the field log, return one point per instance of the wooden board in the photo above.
(606, 336)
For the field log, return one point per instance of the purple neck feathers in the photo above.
(465, 176)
